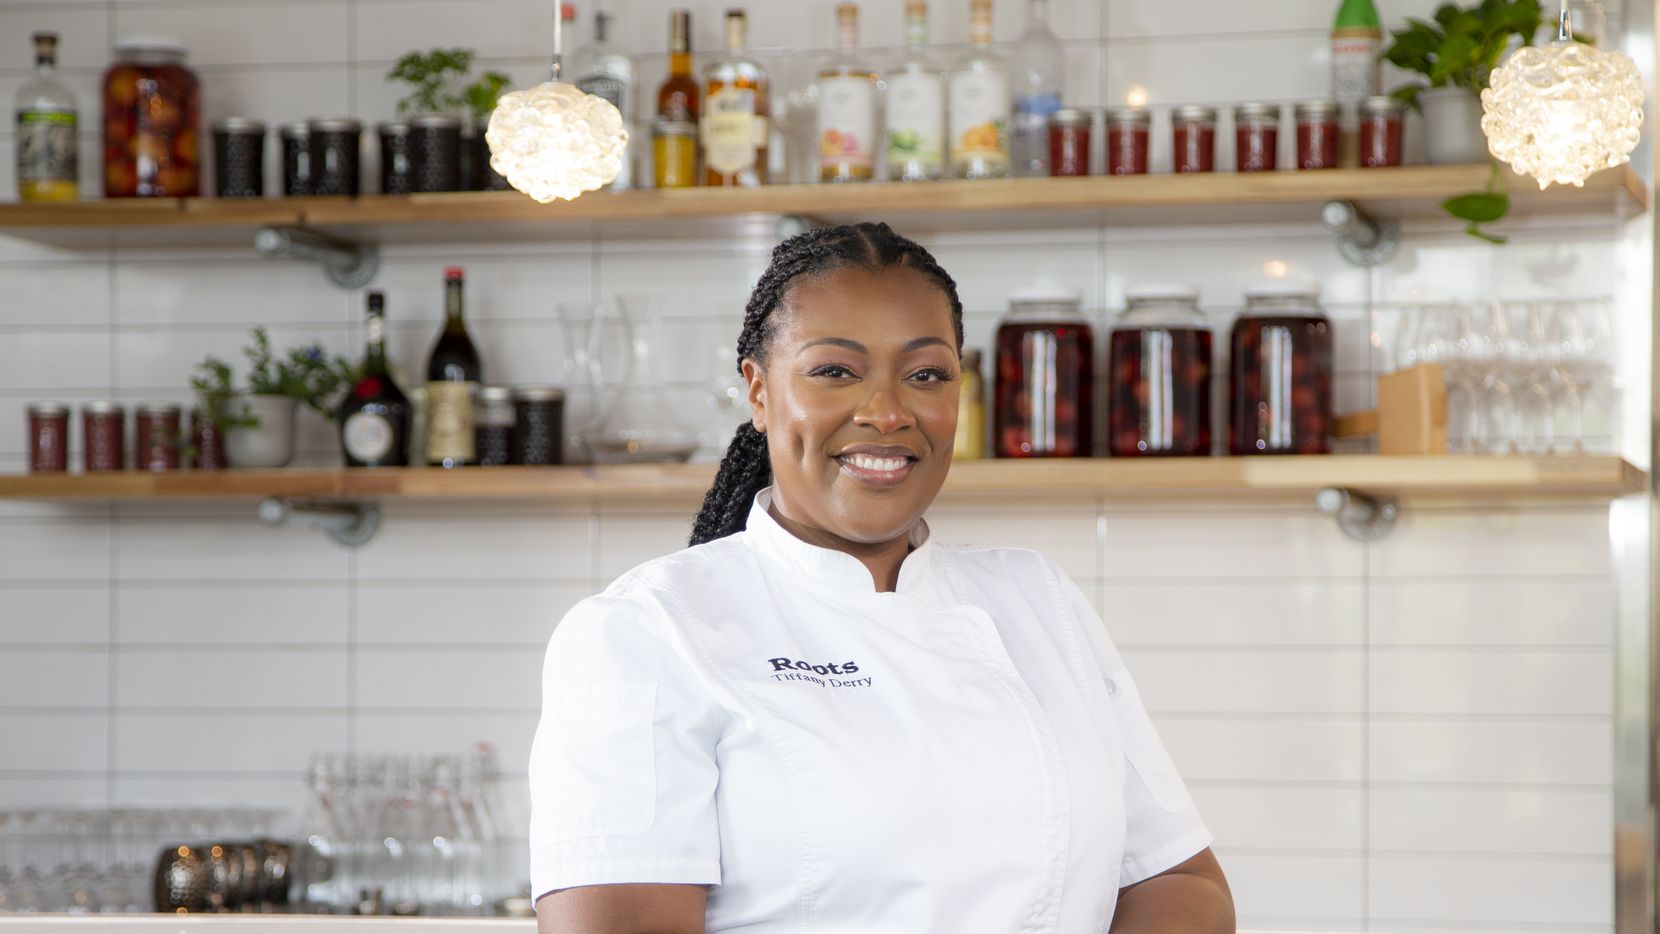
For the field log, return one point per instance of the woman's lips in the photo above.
(876, 471)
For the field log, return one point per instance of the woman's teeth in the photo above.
(866, 462)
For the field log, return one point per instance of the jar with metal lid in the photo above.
(1381, 121)
(1280, 358)
(396, 174)
(674, 149)
(152, 122)
(334, 155)
(1159, 365)
(970, 443)
(103, 436)
(239, 158)
(1318, 135)
(1193, 139)
(1256, 130)
(156, 436)
(48, 437)
(435, 152)
(206, 442)
(296, 159)
(493, 421)
(1045, 384)
(539, 426)
(1128, 132)
(1069, 132)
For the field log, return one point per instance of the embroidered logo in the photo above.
(787, 669)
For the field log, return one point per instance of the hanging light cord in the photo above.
(559, 29)
(1564, 25)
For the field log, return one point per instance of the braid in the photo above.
(747, 469)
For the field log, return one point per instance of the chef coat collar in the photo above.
(826, 566)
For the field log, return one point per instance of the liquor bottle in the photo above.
(453, 372)
(734, 128)
(605, 70)
(677, 96)
(374, 417)
(47, 147)
(1036, 70)
(846, 107)
(1356, 59)
(977, 104)
(915, 112)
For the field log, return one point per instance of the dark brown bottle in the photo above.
(453, 374)
(678, 97)
(374, 417)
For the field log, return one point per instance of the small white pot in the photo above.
(1452, 126)
(272, 443)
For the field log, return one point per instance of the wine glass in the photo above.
(1578, 342)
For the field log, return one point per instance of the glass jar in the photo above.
(1256, 131)
(1045, 377)
(493, 420)
(1281, 373)
(1381, 120)
(1317, 135)
(156, 428)
(539, 426)
(1159, 363)
(48, 437)
(1193, 139)
(970, 444)
(674, 148)
(152, 122)
(1069, 131)
(104, 436)
(208, 447)
(1128, 132)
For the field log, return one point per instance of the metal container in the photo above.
(435, 152)
(334, 155)
(239, 158)
(296, 159)
(396, 175)
(539, 432)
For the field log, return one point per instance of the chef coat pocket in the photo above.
(602, 776)
(1142, 747)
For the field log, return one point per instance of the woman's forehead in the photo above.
(892, 305)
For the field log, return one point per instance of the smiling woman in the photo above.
(818, 717)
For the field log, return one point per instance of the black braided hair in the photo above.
(747, 469)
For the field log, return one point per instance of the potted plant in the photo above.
(258, 424)
(435, 86)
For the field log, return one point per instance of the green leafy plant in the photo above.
(215, 395)
(305, 373)
(435, 78)
(484, 92)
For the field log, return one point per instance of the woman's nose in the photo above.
(884, 412)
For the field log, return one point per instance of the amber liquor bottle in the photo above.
(735, 108)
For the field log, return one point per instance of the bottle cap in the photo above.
(377, 300)
(1162, 291)
(453, 273)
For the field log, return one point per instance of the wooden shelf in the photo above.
(1410, 192)
(1211, 478)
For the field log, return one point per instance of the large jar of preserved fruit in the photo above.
(152, 122)
(1281, 359)
(1045, 377)
(1159, 367)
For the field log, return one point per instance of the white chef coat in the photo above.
(965, 754)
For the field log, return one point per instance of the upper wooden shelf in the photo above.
(1207, 477)
(1410, 192)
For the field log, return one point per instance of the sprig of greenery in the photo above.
(483, 94)
(215, 395)
(305, 373)
(432, 77)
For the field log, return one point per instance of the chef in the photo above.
(818, 718)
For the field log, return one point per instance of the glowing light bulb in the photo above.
(1136, 96)
(1275, 269)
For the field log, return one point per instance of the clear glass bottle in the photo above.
(1037, 75)
(605, 70)
(977, 111)
(847, 106)
(915, 112)
(735, 127)
(48, 151)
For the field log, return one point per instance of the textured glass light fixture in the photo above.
(553, 140)
(1564, 111)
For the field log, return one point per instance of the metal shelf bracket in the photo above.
(1361, 517)
(351, 524)
(348, 265)
(1362, 240)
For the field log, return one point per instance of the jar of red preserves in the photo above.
(1317, 135)
(1380, 132)
(1045, 377)
(1128, 130)
(48, 437)
(152, 122)
(1069, 131)
(1159, 366)
(1193, 139)
(103, 436)
(156, 436)
(1281, 371)
(1256, 129)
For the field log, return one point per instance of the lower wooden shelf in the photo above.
(1594, 477)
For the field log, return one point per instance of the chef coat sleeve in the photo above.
(1162, 824)
(622, 769)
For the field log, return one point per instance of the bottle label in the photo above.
(367, 437)
(1355, 67)
(729, 130)
(603, 85)
(916, 133)
(846, 122)
(450, 422)
(979, 117)
(46, 146)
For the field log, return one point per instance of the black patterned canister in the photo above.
(334, 155)
(435, 152)
(239, 158)
(396, 175)
(296, 159)
(539, 426)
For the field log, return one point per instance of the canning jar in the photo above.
(1069, 130)
(1317, 135)
(48, 437)
(1045, 376)
(1380, 132)
(1281, 372)
(156, 434)
(1193, 139)
(1256, 132)
(1128, 130)
(1159, 366)
(103, 436)
(152, 122)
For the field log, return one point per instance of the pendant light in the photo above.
(1561, 112)
(554, 140)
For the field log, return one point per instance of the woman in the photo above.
(817, 718)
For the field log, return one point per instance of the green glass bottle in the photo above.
(1356, 61)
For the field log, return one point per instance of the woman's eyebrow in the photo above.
(856, 347)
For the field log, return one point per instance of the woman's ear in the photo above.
(755, 377)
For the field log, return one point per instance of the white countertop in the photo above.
(307, 924)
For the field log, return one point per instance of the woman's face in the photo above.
(858, 400)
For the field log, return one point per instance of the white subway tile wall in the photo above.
(1411, 734)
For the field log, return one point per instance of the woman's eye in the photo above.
(833, 371)
(931, 375)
